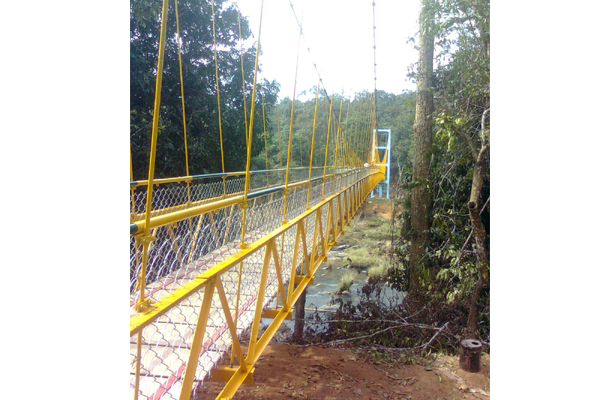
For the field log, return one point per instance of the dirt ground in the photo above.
(382, 208)
(290, 372)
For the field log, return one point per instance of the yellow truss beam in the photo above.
(346, 202)
(157, 309)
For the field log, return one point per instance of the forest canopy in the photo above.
(199, 82)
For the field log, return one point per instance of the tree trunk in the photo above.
(482, 261)
(421, 197)
(478, 231)
(299, 321)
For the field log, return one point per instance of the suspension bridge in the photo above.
(213, 255)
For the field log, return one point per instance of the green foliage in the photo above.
(395, 112)
(198, 70)
(461, 95)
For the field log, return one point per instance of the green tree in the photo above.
(455, 258)
(421, 195)
(397, 112)
(195, 20)
(463, 110)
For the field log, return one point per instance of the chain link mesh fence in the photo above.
(182, 251)
(176, 196)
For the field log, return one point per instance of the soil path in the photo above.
(383, 208)
(290, 372)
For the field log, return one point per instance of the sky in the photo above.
(339, 35)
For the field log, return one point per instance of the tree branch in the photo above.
(423, 346)
(438, 331)
(483, 137)
(477, 179)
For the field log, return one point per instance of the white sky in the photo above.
(340, 36)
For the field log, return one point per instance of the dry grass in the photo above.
(346, 280)
(378, 272)
(362, 257)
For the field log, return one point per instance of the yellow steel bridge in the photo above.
(213, 254)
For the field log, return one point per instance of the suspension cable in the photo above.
(132, 217)
(375, 133)
(364, 128)
(287, 170)
(243, 75)
(141, 304)
(187, 165)
(212, 4)
(300, 138)
(326, 148)
(346, 160)
(353, 128)
(374, 67)
(279, 137)
(337, 139)
(241, 266)
(360, 133)
(262, 100)
(312, 147)
(327, 97)
(243, 244)
(187, 168)
(368, 127)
